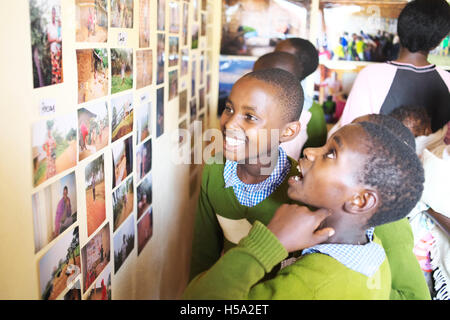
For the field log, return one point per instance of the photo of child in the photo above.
(54, 147)
(122, 116)
(173, 51)
(122, 157)
(121, 70)
(93, 129)
(95, 255)
(144, 68)
(92, 20)
(145, 229)
(93, 73)
(122, 13)
(144, 195)
(173, 84)
(58, 264)
(123, 243)
(144, 159)
(144, 24)
(143, 125)
(54, 210)
(123, 202)
(46, 42)
(95, 194)
(174, 17)
(159, 112)
(102, 288)
(161, 22)
(160, 58)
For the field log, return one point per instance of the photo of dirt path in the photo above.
(123, 202)
(95, 194)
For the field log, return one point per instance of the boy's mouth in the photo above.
(298, 177)
(233, 142)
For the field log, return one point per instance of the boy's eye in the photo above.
(330, 154)
(250, 117)
(228, 108)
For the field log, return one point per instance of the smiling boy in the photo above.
(382, 185)
(252, 183)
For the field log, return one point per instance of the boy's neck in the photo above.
(346, 232)
(258, 172)
(418, 59)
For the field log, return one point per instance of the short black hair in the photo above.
(306, 53)
(394, 170)
(423, 24)
(415, 113)
(289, 90)
(281, 60)
(65, 188)
(394, 126)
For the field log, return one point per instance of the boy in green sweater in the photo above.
(382, 185)
(252, 183)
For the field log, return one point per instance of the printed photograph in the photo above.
(91, 20)
(121, 70)
(122, 13)
(184, 62)
(145, 229)
(173, 84)
(95, 194)
(144, 24)
(54, 147)
(144, 159)
(160, 58)
(102, 288)
(144, 196)
(203, 25)
(58, 264)
(161, 20)
(123, 202)
(54, 210)
(202, 67)
(195, 9)
(174, 17)
(122, 157)
(74, 293)
(201, 98)
(95, 255)
(159, 111)
(173, 51)
(194, 32)
(182, 138)
(122, 116)
(123, 243)
(183, 104)
(143, 123)
(193, 109)
(193, 75)
(144, 64)
(208, 83)
(46, 42)
(93, 129)
(93, 74)
(184, 31)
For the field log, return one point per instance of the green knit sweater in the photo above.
(314, 276)
(221, 222)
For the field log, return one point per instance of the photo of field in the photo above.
(122, 116)
(123, 202)
(58, 264)
(95, 194)
(121, 70)
(54, 147)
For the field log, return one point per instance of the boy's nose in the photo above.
(311, 153)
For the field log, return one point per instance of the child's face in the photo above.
(328, 175)
(251, 107)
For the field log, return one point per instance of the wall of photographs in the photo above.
(92, 205)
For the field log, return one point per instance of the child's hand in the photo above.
(295, 227)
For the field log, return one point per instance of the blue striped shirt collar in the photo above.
(251, 194)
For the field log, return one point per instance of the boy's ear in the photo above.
(290, 131)
(364, 202)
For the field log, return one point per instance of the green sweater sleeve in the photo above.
(236, 273)
(408, 281)
(207, 242)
